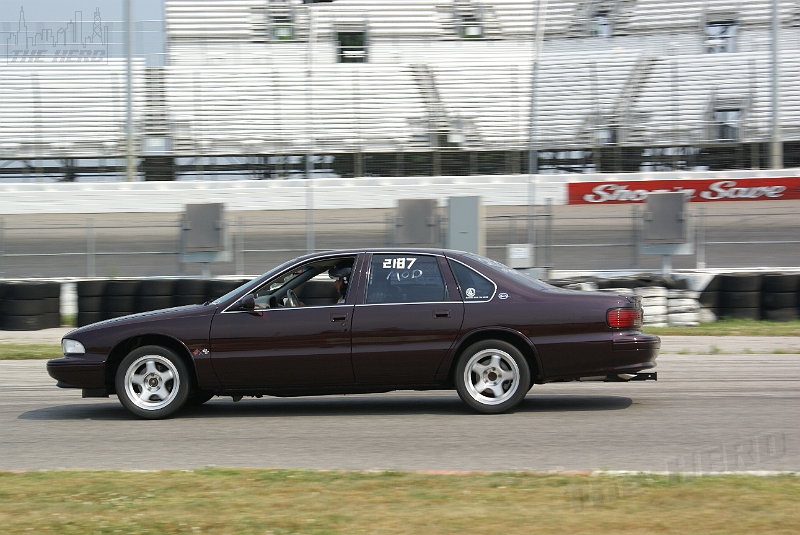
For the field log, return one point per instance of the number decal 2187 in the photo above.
(398, 263)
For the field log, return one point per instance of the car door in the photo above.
(406, 320)
(283, 347)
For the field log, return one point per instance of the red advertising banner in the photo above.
(705, 190)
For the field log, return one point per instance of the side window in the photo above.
(395, 278)
(319, 283)
(472, 285)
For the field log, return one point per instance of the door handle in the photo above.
(441, 313)
(338, 317)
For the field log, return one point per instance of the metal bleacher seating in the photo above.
(262, 109)
(230, 87)
(53, 110)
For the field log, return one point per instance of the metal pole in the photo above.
(240, 245)
(2, 244)
(310, 132)
(533, 156)
(130, 163)
(776, 154)
(701, 238)
(90, 248)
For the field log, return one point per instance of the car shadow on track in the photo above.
(385, 405)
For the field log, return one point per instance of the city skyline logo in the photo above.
(71, 43)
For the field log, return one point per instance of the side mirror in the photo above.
(248, 302)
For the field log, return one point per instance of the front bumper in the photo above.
(78, 371)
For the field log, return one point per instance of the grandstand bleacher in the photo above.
(238, 83)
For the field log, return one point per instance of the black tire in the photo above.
(710, 300)
(52, 305)
(741, 313)
(51, 320)
(780, 283)
(121, 288)
(152, 382)
(741, 282)
(32, 290)
(156, 287)
(182, 300)
(3, 286)
(218, 288)
(146, 303)
(783, 314)
(503, 371)
(90, 304)
(22, 323)
(714, 285)
(191, 287)
(93, 288)
(775, 301)
(22, 307)
(120, 303)
(87, 318)
(740, 299)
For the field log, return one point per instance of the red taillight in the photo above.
(624, 317)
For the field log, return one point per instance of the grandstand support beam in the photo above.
(310, 246)
(130, 161)
(776, 148)
(533, 153)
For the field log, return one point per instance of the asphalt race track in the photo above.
(720, 404)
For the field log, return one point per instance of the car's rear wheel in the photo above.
(492, 376)
(152, 382)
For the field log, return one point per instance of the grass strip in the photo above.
(731, 327)
(14, 351)
(249, 501)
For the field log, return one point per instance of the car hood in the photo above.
(186, 311)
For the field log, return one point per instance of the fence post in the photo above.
(548, 239)
(700, 237)
(2, 244)
(90, 245)
(634, 236)
(239, 245)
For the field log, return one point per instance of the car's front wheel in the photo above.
(152, 382)
(492, 376)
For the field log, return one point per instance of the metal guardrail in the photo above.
(575, 242)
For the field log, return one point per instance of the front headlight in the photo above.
(72, 347)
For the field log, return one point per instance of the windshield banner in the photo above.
(706, 190)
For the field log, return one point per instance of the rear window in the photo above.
(472, 285)
(510, 272)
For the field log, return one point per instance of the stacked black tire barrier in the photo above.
(155, 294)
(91, 295)
(709, 297)
(219, 287)
(119, 298)
(30, 306)
(740, 296)
(779, 297)
(190, 292)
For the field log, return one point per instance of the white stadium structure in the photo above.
(419, 87)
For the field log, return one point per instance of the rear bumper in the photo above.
(77, 372)
(633, 352)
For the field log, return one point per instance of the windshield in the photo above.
(252, 283)
(510, 272)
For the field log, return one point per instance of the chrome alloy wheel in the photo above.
(491, 376)
(152, 382)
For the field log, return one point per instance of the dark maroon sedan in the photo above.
(363, 321)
